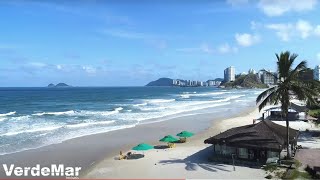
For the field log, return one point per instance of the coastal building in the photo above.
(191, 83)
(253, 143)
(229, 74)
(251, 71)
(259, 74)
(295, 112)
(268, 78)
(213, 83)
(316, 73)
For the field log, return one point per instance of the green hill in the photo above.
(161, 82)
(246, 81)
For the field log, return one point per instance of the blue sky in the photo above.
(128, 43)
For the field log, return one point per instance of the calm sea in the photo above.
(35, 117)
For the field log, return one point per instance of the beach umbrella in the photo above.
(185, 134)
(168, 139)
(142, 147)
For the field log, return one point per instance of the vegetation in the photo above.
(289, 82)
(270, 167)
(295, 174)
(312, 173)
(246, 81)
(314, 113)
(287, 172)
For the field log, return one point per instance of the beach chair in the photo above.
(121, 156)
(183, 140)
(171, 145)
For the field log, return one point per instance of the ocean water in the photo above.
(35, 117)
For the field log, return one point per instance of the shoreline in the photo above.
(196, 142)
(86, 151)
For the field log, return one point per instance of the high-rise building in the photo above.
(316, 73)
(229, 74)
(268, 78)
(251, 71)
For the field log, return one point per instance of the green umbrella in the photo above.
(142, 147)
(185, 134)
(168, 139)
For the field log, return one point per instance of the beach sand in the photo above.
(87, 151)
(187, 160)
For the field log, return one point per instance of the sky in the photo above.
(132, 42)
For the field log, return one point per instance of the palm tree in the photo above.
(288, 83)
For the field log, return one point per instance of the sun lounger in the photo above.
(121, 157)
(183, 140)
(171, 145)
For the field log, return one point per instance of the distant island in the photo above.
(184, 83)
(59, 85)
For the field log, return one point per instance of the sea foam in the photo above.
(8, 114)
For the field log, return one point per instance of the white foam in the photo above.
(241, 100)
(236, 97)
(88, 124)
(118, 109)
(71, 112)
(20, 118)
(204, 94)
(31, 131)
(81, 113)
(177, 110)
(142, 104)
(157, 101)
(7, 114)
(2, 119)
(185, 96)
(153, 108)
(101, 113)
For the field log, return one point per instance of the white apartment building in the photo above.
(229, 74)
(316, 73)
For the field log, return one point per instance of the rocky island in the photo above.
(59, 85)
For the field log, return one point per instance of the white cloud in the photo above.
(89, 69)
(317, 30)
(37, 64)
(255, 25)
(246, 39)
(318, 56)
(226, 48)
(207, 49)
(302, 29)
(203, 48)
(283, 31)
(305, 28)
(280, 7)
(59, 67)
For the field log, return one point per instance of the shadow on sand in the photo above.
(161, 147)
(135, 156)
(198, 160)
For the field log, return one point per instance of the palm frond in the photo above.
(301, 67)
(269, 99)
(265, 94)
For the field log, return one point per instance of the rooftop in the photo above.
(263, 135)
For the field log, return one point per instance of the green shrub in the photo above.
(270, 167)
(269, 176)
